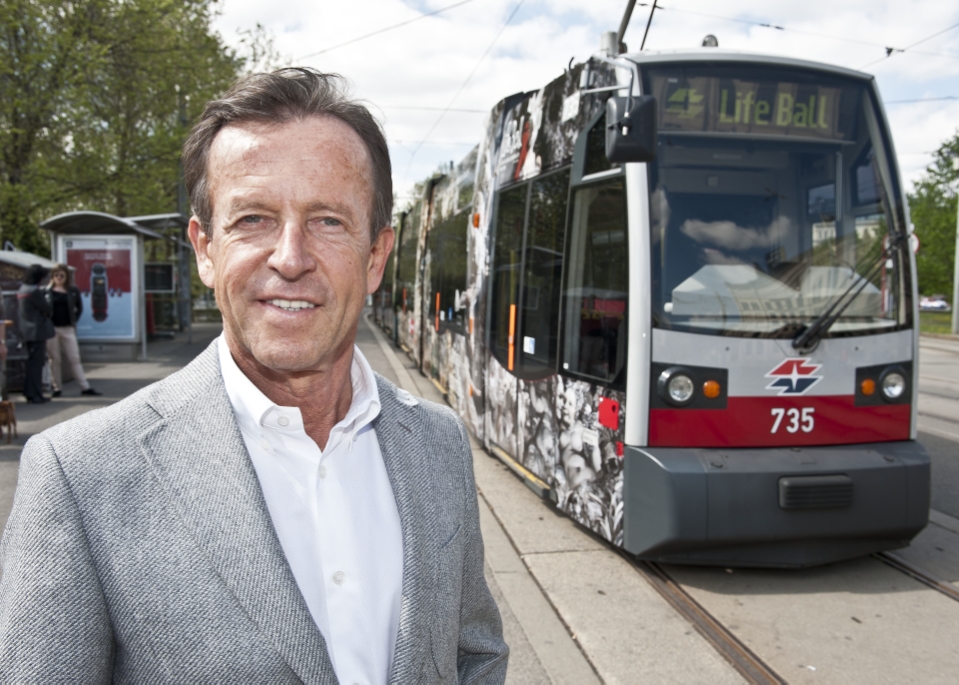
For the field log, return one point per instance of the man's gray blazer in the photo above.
(140, 549)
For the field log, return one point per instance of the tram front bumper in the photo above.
(784, 507)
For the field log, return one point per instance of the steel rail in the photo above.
(923, 576)
(938, 394)
(937, 417)
(743, 659)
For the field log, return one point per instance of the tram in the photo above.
(673, 291)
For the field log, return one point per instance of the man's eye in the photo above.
(252, 219)
(330, 221)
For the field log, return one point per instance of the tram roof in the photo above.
(726, 55)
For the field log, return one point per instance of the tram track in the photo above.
(938, 417)
(918, 573)
(940, 395)
(744, 660)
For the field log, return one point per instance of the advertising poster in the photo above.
(106, 276)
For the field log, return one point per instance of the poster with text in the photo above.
(105, 274)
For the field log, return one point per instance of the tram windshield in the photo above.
(771, 194)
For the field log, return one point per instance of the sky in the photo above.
(477, 52)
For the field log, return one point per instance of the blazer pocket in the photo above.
(445, 629)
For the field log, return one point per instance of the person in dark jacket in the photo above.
(36, 327)
(67, 307)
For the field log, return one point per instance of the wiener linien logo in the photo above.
(794, 376)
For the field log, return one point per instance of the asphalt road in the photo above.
(939, 418)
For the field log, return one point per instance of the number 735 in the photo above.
(795, 419)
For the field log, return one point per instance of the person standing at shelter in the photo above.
(67, 306)
(36, 327)
(275, 511)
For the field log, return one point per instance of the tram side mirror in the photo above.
(631, 129)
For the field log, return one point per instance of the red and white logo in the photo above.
(794, 376)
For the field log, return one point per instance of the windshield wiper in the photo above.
(818, 328)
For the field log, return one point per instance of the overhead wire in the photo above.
(384, 30)
(462, 86)
(892, 51)
(902, 102)
(889, 50)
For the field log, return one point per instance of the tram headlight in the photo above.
(881, 384)
(676, 386)
(893, 384)
(680, 389)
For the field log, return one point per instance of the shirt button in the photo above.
(283, 421)
(322, 472)
(339, 577)
(265, 444)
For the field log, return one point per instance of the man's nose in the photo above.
(291, 256)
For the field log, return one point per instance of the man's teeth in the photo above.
(292, 305)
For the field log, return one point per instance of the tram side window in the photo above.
(406, 267)
(447, 245)
(596, 285)
(384, 293)
(542, 271)
(508, 243)
(596, 161)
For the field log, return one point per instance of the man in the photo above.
(273, 512)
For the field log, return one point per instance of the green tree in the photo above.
(95, 96)
(932, 207)
(42, 46)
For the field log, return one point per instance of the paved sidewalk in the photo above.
(115, 381)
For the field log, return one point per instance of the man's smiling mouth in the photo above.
(292, 305)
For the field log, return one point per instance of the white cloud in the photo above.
(424, 63)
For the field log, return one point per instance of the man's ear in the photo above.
(380, 252)
(201, 245)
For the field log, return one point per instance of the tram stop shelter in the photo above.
(124, 266)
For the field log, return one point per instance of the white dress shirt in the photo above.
(335, 515)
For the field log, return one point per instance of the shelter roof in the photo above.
(24, 259)
(98, 223)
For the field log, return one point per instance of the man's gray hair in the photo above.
(277, 98)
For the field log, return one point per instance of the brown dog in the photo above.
(8, 418)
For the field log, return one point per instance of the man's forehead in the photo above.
(315, 139)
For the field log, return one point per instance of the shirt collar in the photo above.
(251, 407)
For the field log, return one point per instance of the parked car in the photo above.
(936, 303)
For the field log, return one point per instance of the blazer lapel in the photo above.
(398, 433)
(199, 458)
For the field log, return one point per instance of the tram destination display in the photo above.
(714, 104)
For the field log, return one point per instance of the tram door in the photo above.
(597, 284)
(525, 281)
